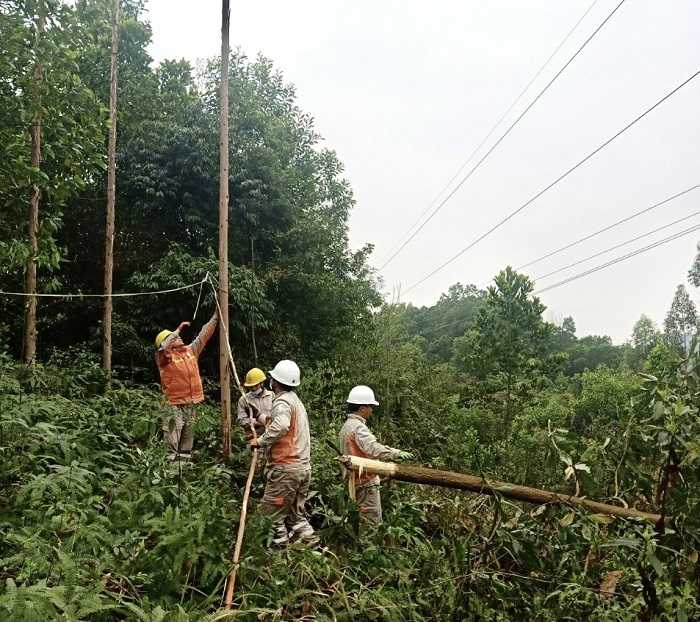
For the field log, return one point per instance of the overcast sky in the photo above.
(404, 91)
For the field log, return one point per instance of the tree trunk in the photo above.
(33, 209)
(111, 194)
(223, 235)
(252, 315)
(447, 479)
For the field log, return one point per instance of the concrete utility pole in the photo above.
(223, 235)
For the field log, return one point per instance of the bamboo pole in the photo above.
(448, 479)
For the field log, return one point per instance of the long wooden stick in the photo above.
(448, 479)
(228, 596)
(228, 599)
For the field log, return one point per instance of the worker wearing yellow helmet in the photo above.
(182, 385)
(256, 403)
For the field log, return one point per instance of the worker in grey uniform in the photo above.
(258, 399)
(287, 441)
(356, 439)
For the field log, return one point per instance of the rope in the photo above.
(201, 285)
(122, 295)
(230, 584)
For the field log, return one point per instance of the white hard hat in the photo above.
(362, 395)
(287, 372)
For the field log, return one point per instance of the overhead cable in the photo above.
(603, 230)
(498, 142)
(618, 260)
(554, 183)
(612, 248)
(493, 129)
(632, 254)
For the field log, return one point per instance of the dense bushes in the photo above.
(97, 527)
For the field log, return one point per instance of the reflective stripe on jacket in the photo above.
(288, 435)
(178, 367)
(262, 402)
(357, 440)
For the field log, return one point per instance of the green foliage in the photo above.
(448, 319)
(592, 351)
(681, 321)
(40, 39)
(98, 527)
(505, 348)
(645, 336)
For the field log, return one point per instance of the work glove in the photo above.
(405, 455)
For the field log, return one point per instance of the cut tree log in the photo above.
(448, 479)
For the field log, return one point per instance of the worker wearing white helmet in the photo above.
(356, 439)
(287, 441)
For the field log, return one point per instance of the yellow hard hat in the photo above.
(160, 336)
(253, 377)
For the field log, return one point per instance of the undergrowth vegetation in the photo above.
(98, 527)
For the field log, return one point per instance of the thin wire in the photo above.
(663, 241)
(554, 183)
(498, 142)
(592, 235)
(124, 295)
(619, 259)
(644, 235)
(493, 129)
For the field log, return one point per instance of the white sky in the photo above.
(405, 90)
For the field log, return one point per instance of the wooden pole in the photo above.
(111, 194)
(231, 583)
(223, 235)
(448, 479)
(34, 195)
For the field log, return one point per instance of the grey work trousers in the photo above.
(284, 500)
(178, 424)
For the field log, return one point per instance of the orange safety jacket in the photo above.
(357, 440)
(288, 435)
(178, 367)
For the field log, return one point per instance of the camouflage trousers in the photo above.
(369, 501)
(178, 424)
(284, 500)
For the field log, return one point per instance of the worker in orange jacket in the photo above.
(181, 385)
(356, 439)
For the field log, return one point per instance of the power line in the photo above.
(554, 183)
(493, 129)
(610, 263)
(604, 229)
(498, 142)
(619, 259)
(576, 263)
